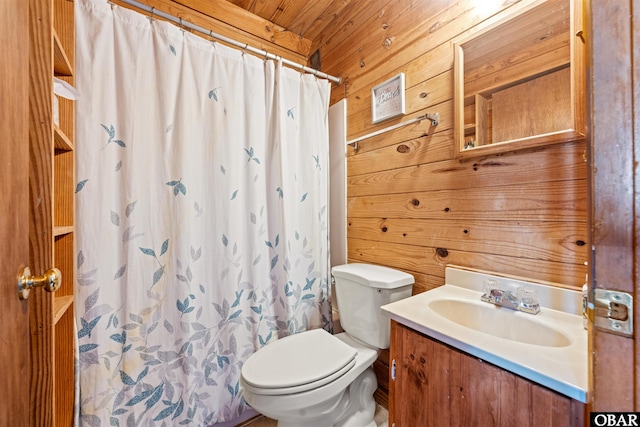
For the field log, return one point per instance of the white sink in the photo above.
(499, 322)
(549, 348)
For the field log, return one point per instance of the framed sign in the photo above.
(387, 99)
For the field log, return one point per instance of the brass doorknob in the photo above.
(51, 281)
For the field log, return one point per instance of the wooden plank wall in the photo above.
(411, 204)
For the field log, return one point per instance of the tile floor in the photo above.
(380, 419)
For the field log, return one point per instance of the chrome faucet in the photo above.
(526, 299)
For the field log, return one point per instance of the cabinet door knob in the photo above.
(50, 280)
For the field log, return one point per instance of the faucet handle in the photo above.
(489, 285)
(527, 296)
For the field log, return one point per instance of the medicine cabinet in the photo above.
(520, 81)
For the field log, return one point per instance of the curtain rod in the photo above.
(243, 46)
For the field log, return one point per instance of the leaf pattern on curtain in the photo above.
(202, 232)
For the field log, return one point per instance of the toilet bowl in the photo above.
(316, 379)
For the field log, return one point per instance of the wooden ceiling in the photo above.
(286, 28)
(302, 17)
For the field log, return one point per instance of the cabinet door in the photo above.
(419, 394)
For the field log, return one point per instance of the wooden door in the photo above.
(614, 86)
(51, 225)
(14, 224)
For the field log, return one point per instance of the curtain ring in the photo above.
(266, 56)
(244, 48)
(182, 25)
(213, 39)
(153, 11)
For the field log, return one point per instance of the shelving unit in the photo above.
(64, 215)
(52, 229)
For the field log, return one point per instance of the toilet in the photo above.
(316, 379)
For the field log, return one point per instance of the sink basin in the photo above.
(499, 322)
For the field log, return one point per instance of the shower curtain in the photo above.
(201, 204)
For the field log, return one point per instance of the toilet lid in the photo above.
(301, 361)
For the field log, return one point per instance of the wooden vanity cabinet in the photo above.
(438, 385)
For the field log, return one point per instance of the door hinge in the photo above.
(393, 370)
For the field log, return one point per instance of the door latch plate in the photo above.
(613, 311)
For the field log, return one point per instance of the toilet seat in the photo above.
(298, 363)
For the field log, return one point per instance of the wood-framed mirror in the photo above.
(520, 81)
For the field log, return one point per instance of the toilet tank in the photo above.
(361, 289)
